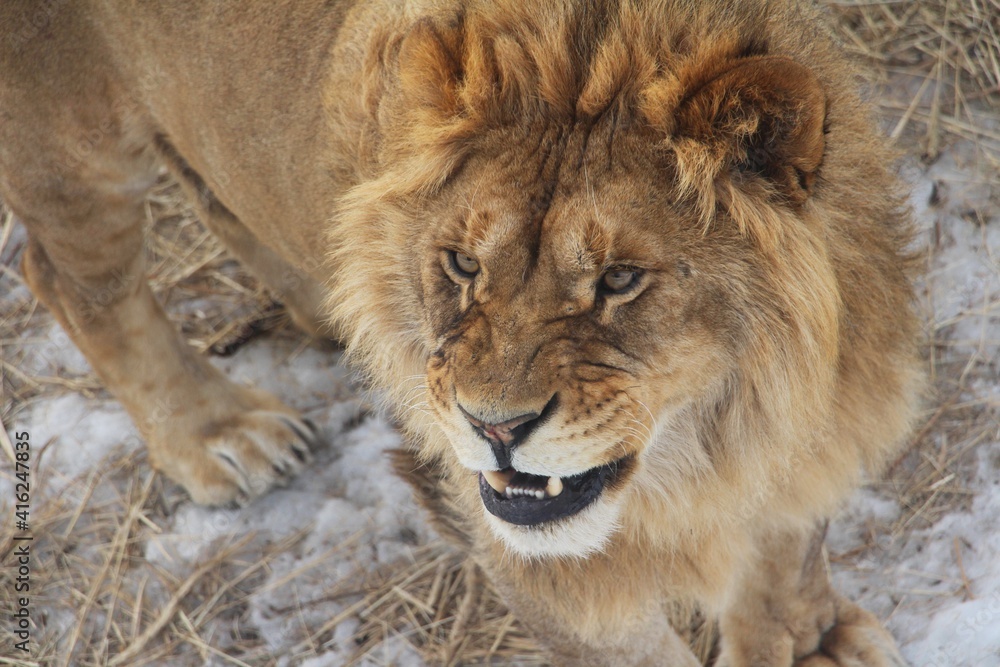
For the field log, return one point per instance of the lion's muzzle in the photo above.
(504, 437)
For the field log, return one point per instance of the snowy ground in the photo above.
(938, 581)
(921, 549)
(346, 513)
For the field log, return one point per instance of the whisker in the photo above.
(409, 394)
(652, 418)
(647, 429)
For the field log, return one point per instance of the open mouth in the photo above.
(528, 500)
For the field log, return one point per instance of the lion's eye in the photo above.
(617, 281)
(464, 265)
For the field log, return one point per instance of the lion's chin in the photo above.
(578, 536)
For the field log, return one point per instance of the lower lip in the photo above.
(579, 491)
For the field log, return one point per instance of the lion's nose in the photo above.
(505, 436)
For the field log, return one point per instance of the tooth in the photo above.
(540, 494)
(508, 492)
(554, 487)
(497, 479)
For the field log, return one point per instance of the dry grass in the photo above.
(441, 604)
(938, 81)
(113, 608)
(938, 63)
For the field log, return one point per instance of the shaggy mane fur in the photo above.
(501, 63)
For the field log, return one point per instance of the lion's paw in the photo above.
(857, 639)
(232, 460)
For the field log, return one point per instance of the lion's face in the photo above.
(573, 305)
(612, 277)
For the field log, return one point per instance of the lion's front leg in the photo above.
(589, 613)
(783, 612)
(223, 442)
(650, 641)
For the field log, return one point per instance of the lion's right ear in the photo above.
(759, 117)
(430, 71)
(424, 115)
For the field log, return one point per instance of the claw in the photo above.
(301, 453)
(240, 501)
(249, 455)
(232, 463)
(241, 478)
(307, 436)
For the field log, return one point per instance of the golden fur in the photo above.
(762, 360)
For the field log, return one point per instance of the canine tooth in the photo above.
(498, 480)
(554, 487)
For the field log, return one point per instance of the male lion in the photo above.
(640, 263)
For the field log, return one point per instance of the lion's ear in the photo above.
(430, 70)
(423, 115)
(763, 117)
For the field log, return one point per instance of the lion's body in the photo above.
(761, 358)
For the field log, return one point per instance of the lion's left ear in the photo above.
(762, 116)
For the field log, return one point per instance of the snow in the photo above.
(355, 516)
(915, 579)
(978, 531)
(85, 433)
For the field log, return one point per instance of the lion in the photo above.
(633, 275)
